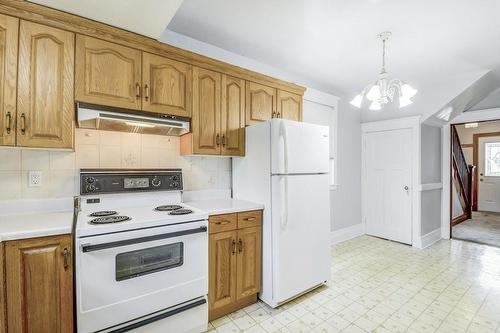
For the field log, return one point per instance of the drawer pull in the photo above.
(249, 219)
(222, 222)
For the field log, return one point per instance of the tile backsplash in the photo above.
(103, 149)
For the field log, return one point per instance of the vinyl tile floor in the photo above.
(381, 286)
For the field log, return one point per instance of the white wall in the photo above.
(430, 209)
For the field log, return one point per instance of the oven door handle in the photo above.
(97, 247)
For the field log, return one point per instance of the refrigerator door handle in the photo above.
(284, 209)
(285, 146)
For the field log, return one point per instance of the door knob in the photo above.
(406, 188)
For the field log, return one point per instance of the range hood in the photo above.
(111, 119)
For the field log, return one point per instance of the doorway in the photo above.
(475, 203)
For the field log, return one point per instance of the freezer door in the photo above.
(299, 148)
(301, 234)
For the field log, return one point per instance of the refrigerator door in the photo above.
(299, 148)
(301, 234)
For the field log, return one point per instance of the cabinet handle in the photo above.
(66, 258)
(222, 222)
(146, 92)
(23, 124)
(274, 115)
(217, 139)
(137, 91)
(279, 114)
(8, 116)
(240, 246)
(249, 219)
(234, 247)
(223, 140)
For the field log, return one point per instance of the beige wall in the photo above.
(102, 149)
(466, 135)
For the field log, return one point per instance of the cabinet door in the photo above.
(222, 269)
(107, 73)
(39, 285)
(260, 103)
(233, 116)
(289, 106)
(45, 103)
(249, 262)
(166, 85)
(206, 112)
(9, 27)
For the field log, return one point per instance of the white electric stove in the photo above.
(141, 255)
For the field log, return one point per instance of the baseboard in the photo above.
(344, 234)
(429, 239)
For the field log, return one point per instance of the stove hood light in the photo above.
(139, 124)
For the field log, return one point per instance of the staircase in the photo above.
(463, 177)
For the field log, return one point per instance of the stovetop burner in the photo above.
(103, 213)
(167, 208)
(181, 211)
(109, 219)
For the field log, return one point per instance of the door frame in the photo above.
(465, 117)
(412, 123)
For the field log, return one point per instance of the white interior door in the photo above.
(489, 174)
(301, 233)
(387, 193)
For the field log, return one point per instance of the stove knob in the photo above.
(90, 188)
(90, 180)
(174, 185)
(175, 178)
(156, 181)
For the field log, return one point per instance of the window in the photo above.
(492, 159)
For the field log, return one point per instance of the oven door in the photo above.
(126, 275)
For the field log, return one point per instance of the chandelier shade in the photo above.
(385, 90)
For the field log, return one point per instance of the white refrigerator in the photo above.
(286, 169)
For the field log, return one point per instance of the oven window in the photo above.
(146, 261)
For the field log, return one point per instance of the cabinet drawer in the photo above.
(250, 219)
(218, 223)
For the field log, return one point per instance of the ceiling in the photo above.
(333, 42)
(148, 18)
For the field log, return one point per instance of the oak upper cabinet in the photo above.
(107, 73)
(166, 85)
(205, 137)
(235, 261)
(45, 101)
(233, 116)
(222, 269)
(289, 106)
(39, 284)
(260, 103)
(9, 27)
(249, 262)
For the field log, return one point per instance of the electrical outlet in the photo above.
(35, 179)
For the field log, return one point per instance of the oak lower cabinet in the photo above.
(9, 28)
(45, 101)
(235, 261)
(39, 285)
(218, 117)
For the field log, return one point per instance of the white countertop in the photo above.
(224, 206)
(22, 226)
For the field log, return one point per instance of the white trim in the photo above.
(466, 117)
(338, 236)
(430, 187)
(334, 187)
(412, 123)
(429, 239)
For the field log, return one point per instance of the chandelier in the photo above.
(384, 90)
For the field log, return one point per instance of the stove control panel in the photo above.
(96, 181)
